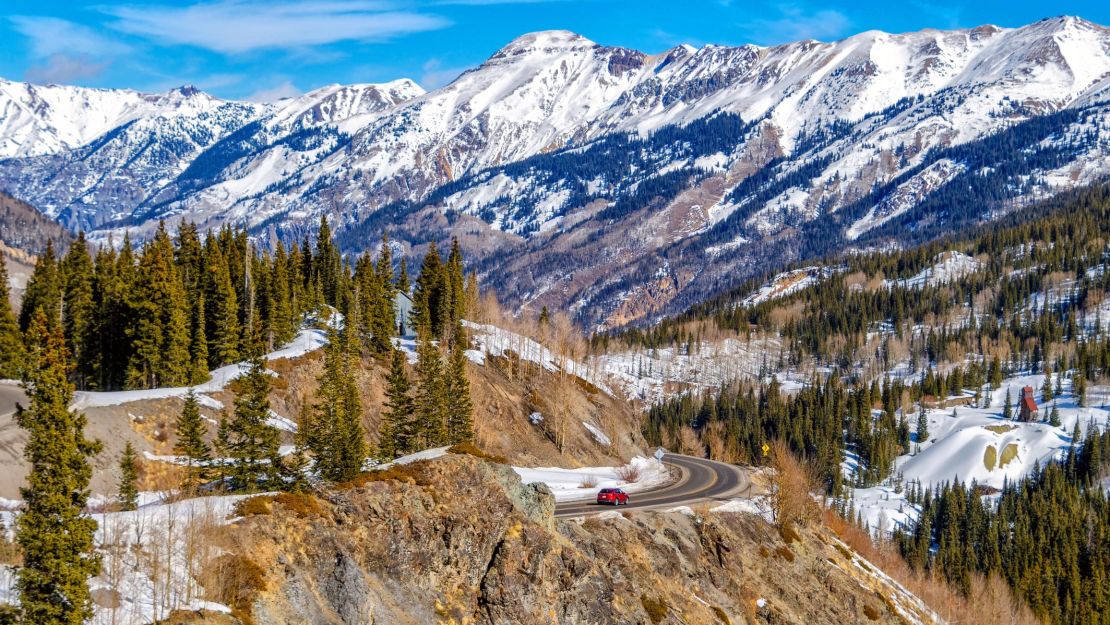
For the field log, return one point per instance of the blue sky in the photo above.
(271, 48)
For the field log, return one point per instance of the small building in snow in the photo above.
(402, 312)
(1027, 406)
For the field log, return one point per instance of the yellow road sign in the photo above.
(766, 449)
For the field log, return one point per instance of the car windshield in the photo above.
(606, 490)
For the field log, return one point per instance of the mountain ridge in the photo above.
(485, 158)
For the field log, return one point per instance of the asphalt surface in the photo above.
(699, 480)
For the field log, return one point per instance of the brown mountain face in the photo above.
(24, 229)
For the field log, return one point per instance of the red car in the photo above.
(615, 496)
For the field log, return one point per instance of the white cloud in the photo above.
(64, 69)
(284, 89)
(796, 25)
(51, 36)
(434, 75)
(236, 26)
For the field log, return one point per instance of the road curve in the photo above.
(699, 480)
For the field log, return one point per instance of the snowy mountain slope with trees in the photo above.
(735, 156)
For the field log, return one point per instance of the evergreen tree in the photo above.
(1008, 409)
(44, 290)
(429, 405)
(1079, 383)
(460, 419)
(78, 306)
(11, 341)
(284, 315)
(198, 343)
(335, 434)
(160, 330)
(922, 426)
(403, 283)
(222, 307)
(430, 297)
(397, 436)
(1054, 416)
(251, 442)
(190, 431)
(128, 498)
(1046, 388)
(55, 536)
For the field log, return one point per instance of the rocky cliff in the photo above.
(460, 540)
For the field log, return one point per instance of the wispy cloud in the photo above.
(237, 26)
(284, 89)
(64, 51)
(435, 75)
(50, 36)
(796, 23)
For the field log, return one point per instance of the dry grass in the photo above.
(629, 473)
(471, 449)
(588, 481)
(412, 473)
(301, 505)
(234, 581)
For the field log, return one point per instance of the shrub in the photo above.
(656, 609)
(235, 580)
(629, 473)
(412, 473)
(871, 612)
(785, 553)
(301, 504)
(470, 449)
(792, 486)
(789, 533)
(588, 481)
(764, 552)
(721, 616)
(254, 506)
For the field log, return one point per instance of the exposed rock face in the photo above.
(460, 540)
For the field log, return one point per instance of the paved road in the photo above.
(699, 480)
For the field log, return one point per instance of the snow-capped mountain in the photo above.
(619, 182)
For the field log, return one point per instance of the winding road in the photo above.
(699, 480)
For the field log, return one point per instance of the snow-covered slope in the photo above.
(557, 145)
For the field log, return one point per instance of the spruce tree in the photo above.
(397, 434)
(78, 306)
(335, 435)
(44, 290)
(284, 318)
(922, 426)
(55, 535)
(1054, 416)
(1079, 384)
(1046, 388)
(11, 341)
(190, 431)
(198, 343)
(128, 497)
(251, 443)
(430, 403)
(222, 307)
(160, 330)
(1008, 409)
(460, 418)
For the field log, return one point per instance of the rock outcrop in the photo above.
(460, 540)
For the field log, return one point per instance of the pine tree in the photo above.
(160, 332)
(128, 498)
(1054, 416)
(460, 419)
(922, 426)
(198, 343)
(11, 341)
(44, 290)
(1079, 383)
(222, 307)
(1008, 409)
(335, 434)
(430, 296)
(397, 435)
(251, 442)
(53, 532)
(1046, 388)
(78, 306)
(429, 405)
(284, 316)
(190, 431)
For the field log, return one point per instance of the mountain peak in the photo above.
(544, 41)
